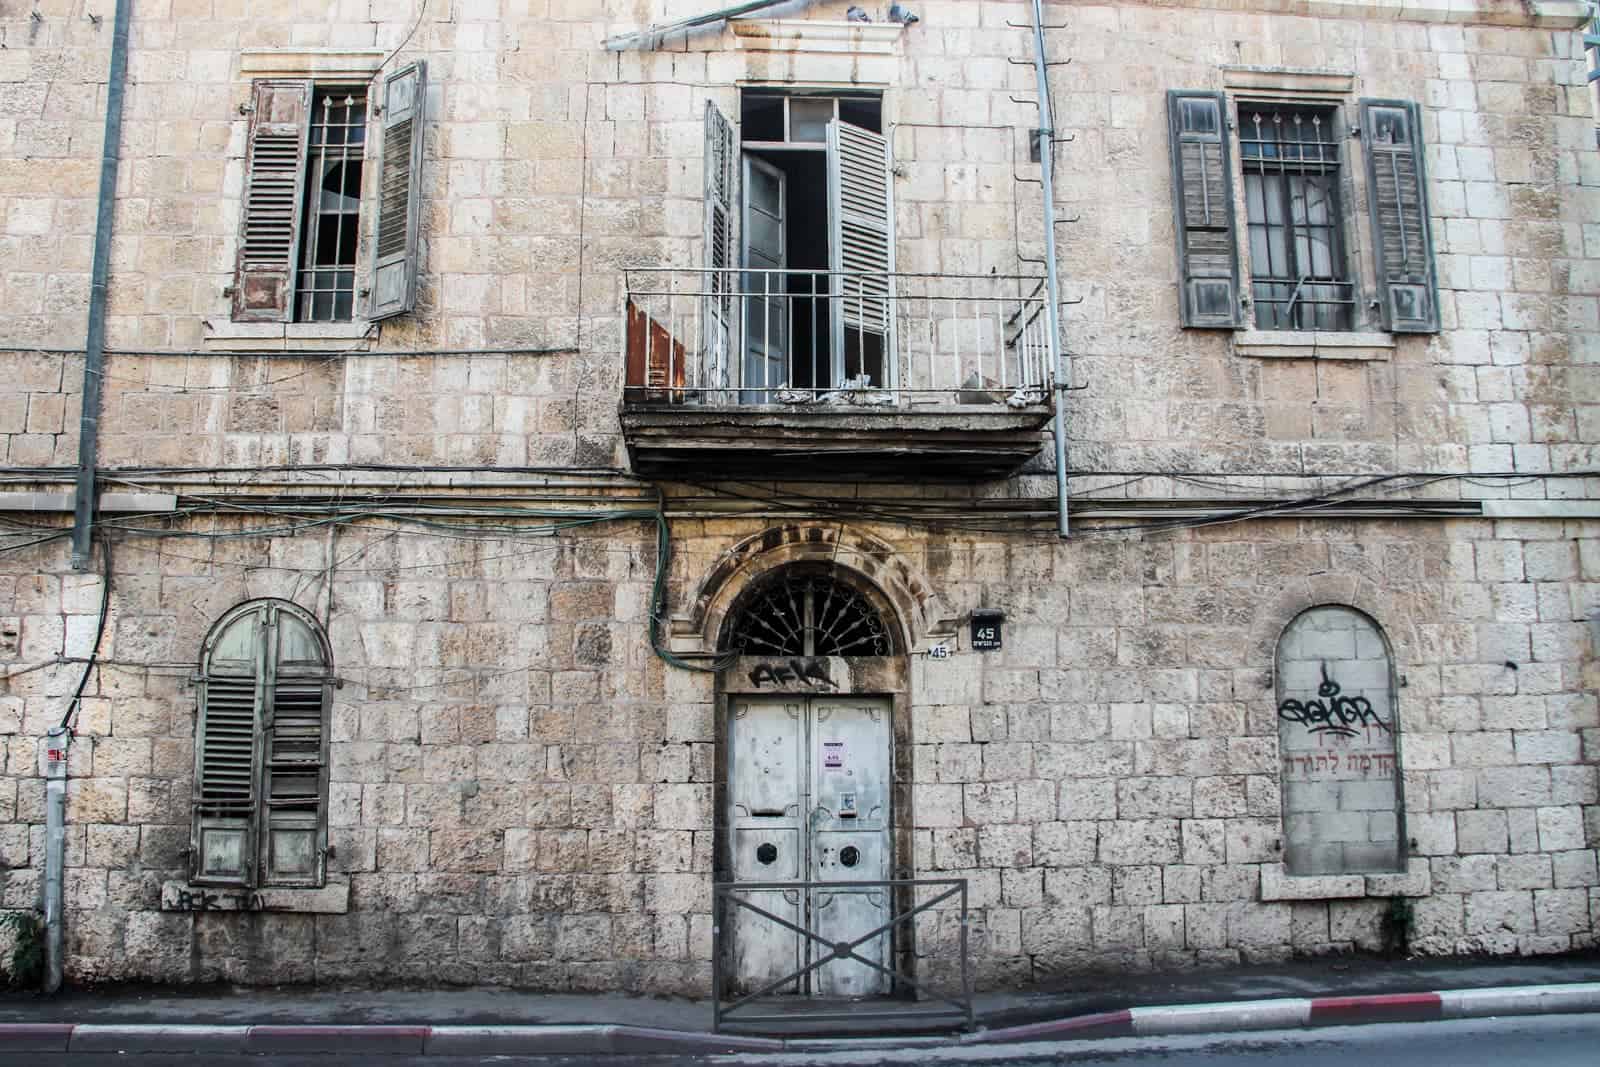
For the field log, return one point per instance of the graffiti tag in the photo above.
(206, 900)
(1332, 714)
(809, 672)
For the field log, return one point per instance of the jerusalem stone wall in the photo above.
(522, 793)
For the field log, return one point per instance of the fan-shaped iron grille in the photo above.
(808, 614)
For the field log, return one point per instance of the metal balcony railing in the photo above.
(804, 338)
(819, 949)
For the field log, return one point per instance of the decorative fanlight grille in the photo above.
(809, 614)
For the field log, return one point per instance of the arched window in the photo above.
(803, 610)
(261, 749)
(1337, 739)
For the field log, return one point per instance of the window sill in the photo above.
(1296, 344)
(281, 336)
(331, 899)
(1277, 884)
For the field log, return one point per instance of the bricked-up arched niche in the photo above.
(1339, 745)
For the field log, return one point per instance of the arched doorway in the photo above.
(808, 776)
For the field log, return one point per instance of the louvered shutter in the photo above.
(394, 253)
(294, 771)
(1202, 198)
(861, 245)
(1397, 194)
(274, 198)
(717, 310)
(222, 849)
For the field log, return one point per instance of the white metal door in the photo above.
(766, 309)
(808, 798)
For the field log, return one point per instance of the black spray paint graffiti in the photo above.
(1344, 716)
(811, 672)
(205, 900)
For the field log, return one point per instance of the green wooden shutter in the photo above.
(394, 252)
(717, 312)
(1397, 195)
(222, 848)
(1202, 199)
(294, 766)
(274, 201)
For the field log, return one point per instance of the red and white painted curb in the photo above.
(600, 1040)
(1295, 1013)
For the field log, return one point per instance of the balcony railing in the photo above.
(813, 339)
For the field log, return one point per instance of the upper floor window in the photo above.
(261, 749)
(1291, 165)
(300, 222)
(1290, 158)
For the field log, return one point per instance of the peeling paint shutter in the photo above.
(274, 195)
(294, 772)
(717, 313)
(1202, 197)
(861, 248)
(394, 255)
(1397, 193)
(223, 846)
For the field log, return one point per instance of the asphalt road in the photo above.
(1536, 1041)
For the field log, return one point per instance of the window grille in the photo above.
(333, 206)
(809, 613)
(1291, 159)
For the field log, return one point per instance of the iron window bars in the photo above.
(1291, 161)
(333, 206)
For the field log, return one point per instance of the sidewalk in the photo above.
(490, 1021)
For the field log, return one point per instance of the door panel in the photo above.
(808, 799)
(766, 311)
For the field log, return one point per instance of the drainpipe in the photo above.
(55, 853)
(95, 335)
(1046, 135)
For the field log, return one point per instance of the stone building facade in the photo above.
(1315, 671)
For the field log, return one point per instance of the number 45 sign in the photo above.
(986, 630)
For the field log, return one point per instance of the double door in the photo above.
(808, 801)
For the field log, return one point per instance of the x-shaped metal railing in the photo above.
(829, 951)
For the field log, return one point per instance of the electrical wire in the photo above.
(99, 633)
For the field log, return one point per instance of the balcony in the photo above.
(803, 374)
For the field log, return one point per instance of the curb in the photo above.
(633, 1041)
(1305, 1012)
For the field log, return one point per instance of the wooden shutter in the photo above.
(274, 199)
(1202, 199)
(1397, 195)
(222, 848)
(717, 313)
(861, 246)
(294, 768)
(394, 252)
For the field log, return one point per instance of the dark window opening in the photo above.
(1291, 159)
(327, 279)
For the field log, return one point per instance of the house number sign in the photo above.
(986, 630)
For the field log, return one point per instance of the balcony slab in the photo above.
(950, 442)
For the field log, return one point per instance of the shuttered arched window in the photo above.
(261, 744)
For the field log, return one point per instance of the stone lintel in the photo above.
(1297, 80)
(331, 899)
(359, 63)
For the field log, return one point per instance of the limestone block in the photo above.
(1065, 844)
(1499, 912)
(1481, 831)
(1561, 829)
(1140, 841)
(1277, 884)
(1512, 787)
(1415, 881)
(1204, 841)
(1561, 911)
(1574, 869)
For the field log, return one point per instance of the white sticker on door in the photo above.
(833, 755)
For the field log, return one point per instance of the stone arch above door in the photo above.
(907, 600)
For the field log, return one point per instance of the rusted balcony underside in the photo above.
(953, 442)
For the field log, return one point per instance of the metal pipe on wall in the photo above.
(1046, 135)
(94, 350)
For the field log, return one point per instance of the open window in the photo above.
(300, 223)
(800, 245)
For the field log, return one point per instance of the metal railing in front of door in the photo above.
(823, 951)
